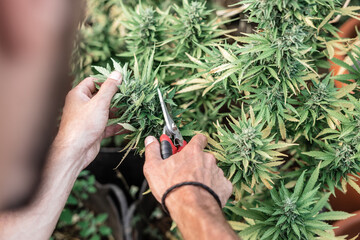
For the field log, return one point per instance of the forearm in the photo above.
(39, 219)
(198, 215)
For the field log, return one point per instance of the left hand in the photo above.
(85, 117)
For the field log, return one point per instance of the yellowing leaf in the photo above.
(282, 128)
(221, 68)
(308, 22)
(345, 90)
(192, 88)
(353, 184)
(326, 20)
(194, 60)
(227, 55)
(127, 126)
(238, 226)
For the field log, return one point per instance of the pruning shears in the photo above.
(171, 140)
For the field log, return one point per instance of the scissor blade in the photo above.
(165, 111)
(170, 126)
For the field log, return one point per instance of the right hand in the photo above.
(191, 164)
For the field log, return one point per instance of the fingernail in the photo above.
(116, 76)
(149, 140)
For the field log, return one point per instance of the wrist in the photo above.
(191, 200)
(65, 154)
(194, 210)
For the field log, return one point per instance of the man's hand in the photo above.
(195, 211)
(191, 164)
(82, 128)
(85, 116)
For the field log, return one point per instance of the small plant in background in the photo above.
(100, 37)
(76, 219)
(145, 26)
(192, 25)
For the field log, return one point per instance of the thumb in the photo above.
(152, 150)
(109, 88)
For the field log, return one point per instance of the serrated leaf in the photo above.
(102, 70)
(128, 126)
(334, 215)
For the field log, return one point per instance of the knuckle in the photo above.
(210, 158)
(201, 137)
(146, 169)
(221, 172)
(110, 82)
(229, 186)
(72, 93)
(193, 149)
(88, 79)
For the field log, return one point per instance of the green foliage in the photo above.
(353, 67)
(76, 219)
(319, 107)
(99, 37)
(295, 214)
(339, 151)
(137, 103)
(274, 119)
(190, 26)
(145, 28)
(245, 155)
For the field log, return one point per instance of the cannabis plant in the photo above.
(283, 134)
(145, 27)
(99, 38)
(137, 103)
(192, 26)
(76, 219)
(290, 214)
(245, 155)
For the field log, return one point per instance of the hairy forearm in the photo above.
(198, 215)
(38, 220)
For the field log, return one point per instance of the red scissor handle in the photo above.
(167, 146)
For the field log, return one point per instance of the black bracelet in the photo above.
(167, 192)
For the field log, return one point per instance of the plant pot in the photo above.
(350, 226)
(347, 30)
(347, 202)
(103, 202)
(99, 202)
(129, 173)
(135, 212)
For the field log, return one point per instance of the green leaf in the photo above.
(95, 237)
(101, 218)
(345, 90)
(337, 115)
(246, 213)
(318, 155)
(102, 70)
(71, 200)
(320, 204)
(334, 215)
(299, 185)
(105, 230)
(312, 181)
(66, 216)
(128, 126)
(269, 232)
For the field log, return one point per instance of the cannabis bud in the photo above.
(247, 157)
